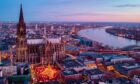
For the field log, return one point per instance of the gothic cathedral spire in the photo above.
(21, 44)
(21, 18)
(21, 31)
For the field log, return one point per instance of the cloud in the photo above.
(87, 14)
(128, 5)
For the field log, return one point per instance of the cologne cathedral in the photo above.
(37, 51)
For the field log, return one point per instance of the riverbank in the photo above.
(101, 36)
(96, 43)
(132, 34)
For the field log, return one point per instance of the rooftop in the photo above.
(35, 41)
(131, 65)
(93, 72)
(71, 63)
(72, 48)
(113, 56)
(93, 54)
(86, 58)
(69, 72)
(54, 40)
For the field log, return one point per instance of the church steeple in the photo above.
(21, 30)
(21, 18)
(21, 44)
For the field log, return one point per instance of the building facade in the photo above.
(44, 50)
(21, 42)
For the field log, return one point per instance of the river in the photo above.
(100, 35)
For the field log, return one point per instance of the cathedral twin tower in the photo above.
(36, 53)
(21, 43)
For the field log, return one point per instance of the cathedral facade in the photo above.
(43, 51)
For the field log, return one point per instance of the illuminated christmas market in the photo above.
(69, 42)
(44, 73)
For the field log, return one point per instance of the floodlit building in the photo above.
(44, 50)
(128, 69)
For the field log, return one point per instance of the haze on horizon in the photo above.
(72, 10)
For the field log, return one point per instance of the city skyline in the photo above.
(72, 10)
(62, 42)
